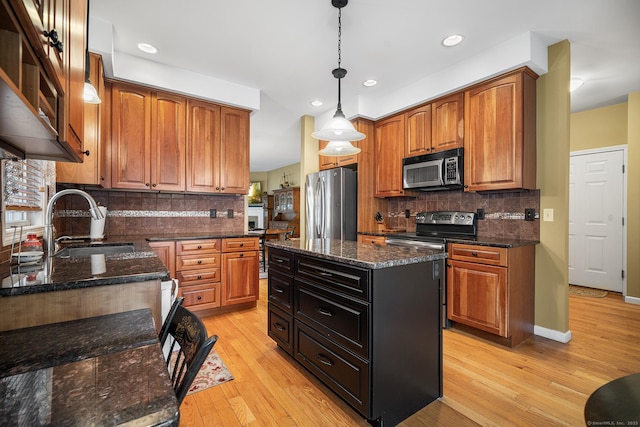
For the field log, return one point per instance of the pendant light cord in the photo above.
(339, 72)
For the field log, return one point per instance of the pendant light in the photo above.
(90, 94)
(339, 131)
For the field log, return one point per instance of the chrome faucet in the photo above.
(48, 237)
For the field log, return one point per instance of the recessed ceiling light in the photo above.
(147, 48)
(575, 83)
(316, 103)
(369, 83)
(453, 40)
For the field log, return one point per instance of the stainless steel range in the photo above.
(433, 231)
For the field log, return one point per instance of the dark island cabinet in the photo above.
(371, 335)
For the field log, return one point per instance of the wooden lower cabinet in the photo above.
(241, 263)
(372, 240)
(213, 273)
(492, 290)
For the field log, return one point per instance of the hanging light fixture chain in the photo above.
(339, 37)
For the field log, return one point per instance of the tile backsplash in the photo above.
(147, 214)
(504, 212)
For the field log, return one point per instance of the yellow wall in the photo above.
(271, 180)
(600, 127)
(633, 196)
(553, 133)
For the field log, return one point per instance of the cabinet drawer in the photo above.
(344, 373)
(240, 244)
(372, 240)
(191, 247)
(192, 277)
(343, 278)
(281, 328)
(480, 254)
(197, 262)
(342, 319)
(280, 260)
(281, 290)
(201, 296)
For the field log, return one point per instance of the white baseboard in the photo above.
(563, 337)
(632, 300)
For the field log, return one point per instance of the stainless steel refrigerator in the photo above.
(332, 200)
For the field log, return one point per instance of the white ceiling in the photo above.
(276, 56)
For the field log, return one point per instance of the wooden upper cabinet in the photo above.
(418, 131)
(168, 141)
(447, 124)
(234, 151)
(217, 149)
(130, 137)
(75, 51)
(203, 146)
(330, 162)
(90, 171)
(389, 152)
(500, 135)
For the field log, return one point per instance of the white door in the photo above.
(596, 202)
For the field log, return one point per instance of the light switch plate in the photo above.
(547, 215)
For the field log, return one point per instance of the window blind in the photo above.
(23, 184)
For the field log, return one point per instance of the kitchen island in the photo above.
(364, 319)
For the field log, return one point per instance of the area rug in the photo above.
(587, 292)
(212, 373)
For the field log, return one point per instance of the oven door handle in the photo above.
(415, 244)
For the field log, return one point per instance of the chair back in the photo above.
(291, 229)
(164, 331)
(188, 351)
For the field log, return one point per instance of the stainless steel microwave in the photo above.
(443, 170)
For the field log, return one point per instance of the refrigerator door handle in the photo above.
(323, 208)
(318, 211)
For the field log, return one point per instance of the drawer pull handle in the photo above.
(324, 311)
(199, 261)
(278, 289)
(322, 273)
(199, 246)
(279, 327)
(199, 277)
(241, 255)
(278, 260)
(474, 253)
(199, 297)
(324, 359)
(241, 244)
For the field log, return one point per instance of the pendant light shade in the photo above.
(90, 95)
(339, 148)
(339, 131)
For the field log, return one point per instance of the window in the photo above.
(25, 185)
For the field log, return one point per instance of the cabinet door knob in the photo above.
(199, 297)
(199, 261)
(146, 184)
(241, 255)
(474, 253)
(241, 244)
(86, 153)
(199, 277)
(154, 185)
(199, 246)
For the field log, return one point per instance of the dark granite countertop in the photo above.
(55, 274)
(358, 254)
(501, 242)
(106, 370)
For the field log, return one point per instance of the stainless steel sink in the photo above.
(94, 250)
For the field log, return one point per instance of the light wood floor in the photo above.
(539, 383)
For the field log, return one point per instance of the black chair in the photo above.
(192, 344)
(164, 331)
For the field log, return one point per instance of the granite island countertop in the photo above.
(358, 254)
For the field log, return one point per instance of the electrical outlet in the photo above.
(213, 213)
(229, 213)
(529, 214)
(480, 213)
(407, 213)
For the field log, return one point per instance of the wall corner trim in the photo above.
(563, 337)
